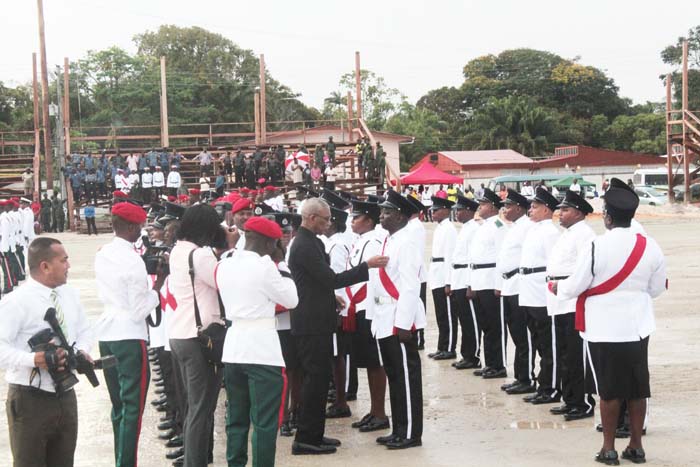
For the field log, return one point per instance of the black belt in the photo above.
(460, 266)
(509, 274)
(437, 260)
(556, 278)
(526, 271)
(482, 266)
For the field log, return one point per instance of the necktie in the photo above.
(59, 313)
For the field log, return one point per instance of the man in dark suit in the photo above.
(314, 321)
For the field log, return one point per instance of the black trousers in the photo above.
(20, 262)
(403, 371)
(524, 360)
(14, 266)
(470, 346)
(489, 316)
(446, 320)
(544, 339)
(315, 360)
(423, 297)
(569, 355)
(351, 383)
(91, 227)
(165, 360)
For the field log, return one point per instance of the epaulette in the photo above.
(498, 223)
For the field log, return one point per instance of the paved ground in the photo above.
(468, 421)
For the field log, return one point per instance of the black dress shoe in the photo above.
(387, 439)
(362, 421)
(607, 457)
(445, 356)
(458, 362)
(175, 453)
(545, 399)
(351, 397)
(286, 430)
(301, 449)
(330, 441)
(467, 365)
(480, 371)
(159, 391)
(402, 443)
(157, 379)
(434, 354)
(522, 388)
(531, 397)
(634, 455)
(493, 373)
(159, 384)
(165, 418)
(163, 408)
(578, 414)
(509, 385)
(179, 462)
(166, 425)
(338, 412)
(166, 435)
(375, 424)
(561, 410)
(160, 401)
(175, 442)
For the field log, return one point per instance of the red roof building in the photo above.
(476, 164)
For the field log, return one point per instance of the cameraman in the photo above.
(202, 237)
(43, 425)
(122, 285)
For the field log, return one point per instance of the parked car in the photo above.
(650, 196)
(679, 192)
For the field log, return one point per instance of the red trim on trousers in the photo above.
(284, 397)
(142, 397)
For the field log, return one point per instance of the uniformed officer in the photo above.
(251, 285)
(147, 184)
(444, 239)
(417, 229)
(365, 217)
(122, 285)
(573, 242)
(507, 267)
(533, 294)
(614, 283)
(397, 315)
(458, 283)
(483, 253)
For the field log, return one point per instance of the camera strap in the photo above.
(159, 316)
(197, 317)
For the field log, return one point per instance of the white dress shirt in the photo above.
(626, 313)
(5, 234)
(122, 286)
(444, 241)
(417, 234)
(158, 179)
(539, 240)
(366, 246)
(22, 315)
(338, 252)
(459, 277)
(407, 312)
(173, 179)
(509, 256)
(147, 180)
(484, 249)
(28, 224)
(573, 242)
(251, 285)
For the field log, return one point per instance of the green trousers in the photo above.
(127, 383)
(255, 395)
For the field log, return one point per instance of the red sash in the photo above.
(350, 321)
(389, 286)
(611, 284)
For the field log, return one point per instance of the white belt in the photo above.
(254, 323)
(384, 301)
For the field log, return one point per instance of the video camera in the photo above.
(155, 256)
(50, 340)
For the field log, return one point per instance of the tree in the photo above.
(673, 55)
(424, 125)
(379, 101)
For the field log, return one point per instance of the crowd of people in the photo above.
(281, 307)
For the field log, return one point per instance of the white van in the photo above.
(657, 178)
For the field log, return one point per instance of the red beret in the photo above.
(171, 198)
(270, 188)
(129, 212)
(119, 194)
(14, 203)
(264, 227)
(261, 180)
(183, 198)
(253, 193)
(14, 199)
(195, 191)
(245, 189)
(242, 204)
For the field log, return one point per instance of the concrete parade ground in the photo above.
(468, 421)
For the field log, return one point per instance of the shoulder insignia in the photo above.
(498, 223)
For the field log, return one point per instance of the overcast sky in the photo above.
(415, 45)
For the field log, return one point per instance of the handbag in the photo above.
(211, 339)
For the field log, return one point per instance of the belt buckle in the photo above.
(522, 271)
(376, 300)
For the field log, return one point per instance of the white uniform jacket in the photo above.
(538, 243)
(626, 313)
(459, 276)
(508, 262)
(572, 243)
(484, 251)
(250, 286)
(396, 288)
(444, 241)
(366, 246)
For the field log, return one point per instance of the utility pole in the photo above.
(669, 144)
(256, 114)
(60, 135)
(263, 102)
(37, 131)
(684, 107)
(164, 129)
(358, 85)
(66, 104)
(45, 97)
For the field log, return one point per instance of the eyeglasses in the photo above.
(325, 218)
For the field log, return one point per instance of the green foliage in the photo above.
(424, 125)
(379, 101)
(672, 55)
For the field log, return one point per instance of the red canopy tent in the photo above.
(427, 174)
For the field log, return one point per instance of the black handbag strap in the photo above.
(159, 316)
(197, 318)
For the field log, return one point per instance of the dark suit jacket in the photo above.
(316, 283)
